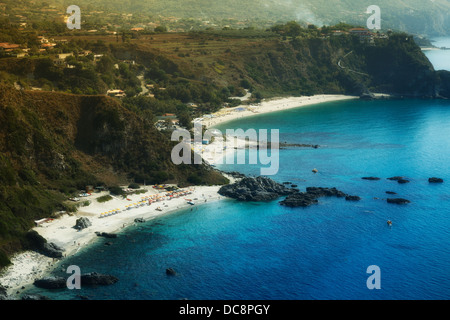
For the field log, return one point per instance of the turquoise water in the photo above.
(440, 58)
(232, 250)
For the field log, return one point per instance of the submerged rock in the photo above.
(402, 181)
(170, 272)
(391, 192)
(398, 200)
(435, 180)
(370, 178)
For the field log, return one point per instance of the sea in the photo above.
(230, 250)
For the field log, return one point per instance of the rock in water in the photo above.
(106, 235)
(34, 297)
(139, 220)
(51, 283)
(402, 181)
(435, 180)
(396, 178)
(304, 199)
(82, 223)
(170, 272)
(391, 192)
(325, 192)
(370, 178)
(97, 279)
(255, 189)
(398, 200)
(352, 198)
(301, 199)
(3, 293)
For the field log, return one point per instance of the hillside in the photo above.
(302, 65)
(53, 144)
(413, 16)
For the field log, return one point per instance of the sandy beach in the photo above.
(28, 266)
(266, 106)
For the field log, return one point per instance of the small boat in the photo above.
(191, 203)
(315, 170)
(158, 209)
(389, 222)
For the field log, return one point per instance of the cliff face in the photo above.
(53, 144)
(305, 66)
(338, 65)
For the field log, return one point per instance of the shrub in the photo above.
(116, 191)
(104, 198)
(134, 186)
(4, 260)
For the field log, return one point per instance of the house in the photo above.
(60, 59)
(116, 93)
(85, 53)
(97, 57)
(6, 46)
(365, 36)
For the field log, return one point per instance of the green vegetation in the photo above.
(104, 198)
(55, 143)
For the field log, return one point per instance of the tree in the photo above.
(161, 29)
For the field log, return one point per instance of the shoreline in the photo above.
(271, 105)
(28, 266)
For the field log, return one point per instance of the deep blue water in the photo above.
(232, 250)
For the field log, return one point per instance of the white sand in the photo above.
(229, 114)
(28, 266)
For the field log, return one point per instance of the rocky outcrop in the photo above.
(398, 200)
(3, 293)
(305, 199)
(52, 250)
(255, 189)
(38, 243)
(301, 199)
(352, 198)
(435, 180)
(35, 297)
(97, 279)
(82, 223)
(106, 234)
(51, 283)
(88, 279)
(396, 178)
